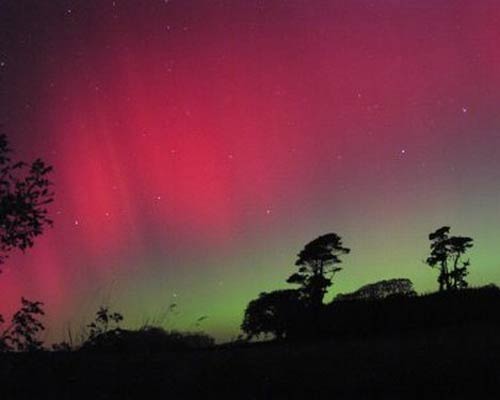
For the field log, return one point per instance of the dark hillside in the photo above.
(455, 357)
(405, 313)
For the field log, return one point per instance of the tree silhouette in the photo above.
(380, 290)
(458, 247)
(24, 194)
(439, 256)
(272, 313)
(318, 263)
(446, 255)
(21, 334)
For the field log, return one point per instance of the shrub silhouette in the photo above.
(380, 290)
(21, 334)
(106, 335)
(273, 313)
(62, 347)
(148, 340)
(104, 322)
(104, 329)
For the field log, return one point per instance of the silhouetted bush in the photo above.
(380, 290)
(106, 335)
(61, 347)
(21, 334)
(147, 340)
(274, 313)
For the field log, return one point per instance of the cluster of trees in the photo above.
(280, 312)
(276, 312)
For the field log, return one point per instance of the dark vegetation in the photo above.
(21, 334)
(380, 290)
(380, 341)
(457, 359)
(25, 191)
(105, 335)
(386, 305)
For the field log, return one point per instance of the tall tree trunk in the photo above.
(455, 276)
(317, 301)
(444, 278)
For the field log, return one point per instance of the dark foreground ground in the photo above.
(439, 363)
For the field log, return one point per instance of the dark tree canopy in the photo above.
(318, 262)
(446, 256)
(21, 334)
(24, 196)
(380, 290)
(272, 313)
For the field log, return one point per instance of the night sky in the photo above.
(199, 145)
